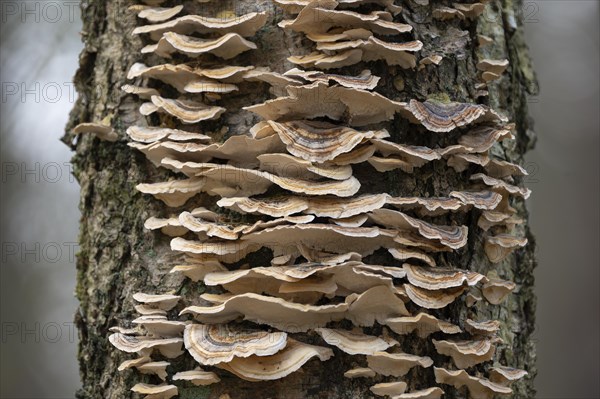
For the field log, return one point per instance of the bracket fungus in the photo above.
(467, 354)
(354, 343)
(280, 215)
(279, 365)
(422, 324)
(360, 372)
(506, 375)
(102, 131)
(156, 391)
(429, 393)
(479, 388)
(218, 343)
(197, 377)
(396, 364)
(389, 388)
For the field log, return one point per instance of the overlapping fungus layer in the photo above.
(287, 189)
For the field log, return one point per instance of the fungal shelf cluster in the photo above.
(289, 189)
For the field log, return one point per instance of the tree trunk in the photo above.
(119, 258)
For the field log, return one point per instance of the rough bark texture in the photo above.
(119, 258)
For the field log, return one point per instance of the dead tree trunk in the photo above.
(118, 257)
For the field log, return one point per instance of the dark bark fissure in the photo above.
(118, 258)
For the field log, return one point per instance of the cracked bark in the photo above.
(118, 258)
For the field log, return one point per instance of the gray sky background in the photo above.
(39, 199)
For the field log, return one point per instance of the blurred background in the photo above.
(39, 50)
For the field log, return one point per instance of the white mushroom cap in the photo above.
(197, 377)
(156, 391)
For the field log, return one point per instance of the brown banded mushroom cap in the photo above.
(484, 40)
(415, 155)
(102, 131)
(227, 251)
(276, 312)
(170, 227)
(472, 10)
(454, 237)
(154, 368)
(127, 364)
(461, 162)
(489, 327)
(496, 290)
(376, 304)
(445, 13)
(238, 150)
(467, 354)
(429, 393)
(145, 93)
(210, 229)
(220, 343)
(197, 377)
(496, 67)
(209, 86)
(155, 391)
(396, 364)
(227, 46)
(277, 366)
(247, 182)
(196, 271)
(144, 134)
(159, 14)
(159, 326)
(423, 324)
(295, 6)
(168, 347)
(408, 253)
(319, 141)
(479, 139)
(429, 206)
(354, 343)
(164, 302)
(365, 80)
(501, 185)
(303, 102)
(175, 75)
(479, 388)
(324, 237)
(337, 208)
(146, 310)
(325, 61)
(506, 375)
(438, 278)
(360, 372)
(286, 165)
(275, 207)
(445, 117)
(471, 299)
(389, 388)
(500, 169)
(430, 60)
(350, 276)
(351, 221)
(185, 110)
(330, 18)
(392, 53)
(433, 299)
(343, 208)
(484, 200)
(500, 246)
(244, 25)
